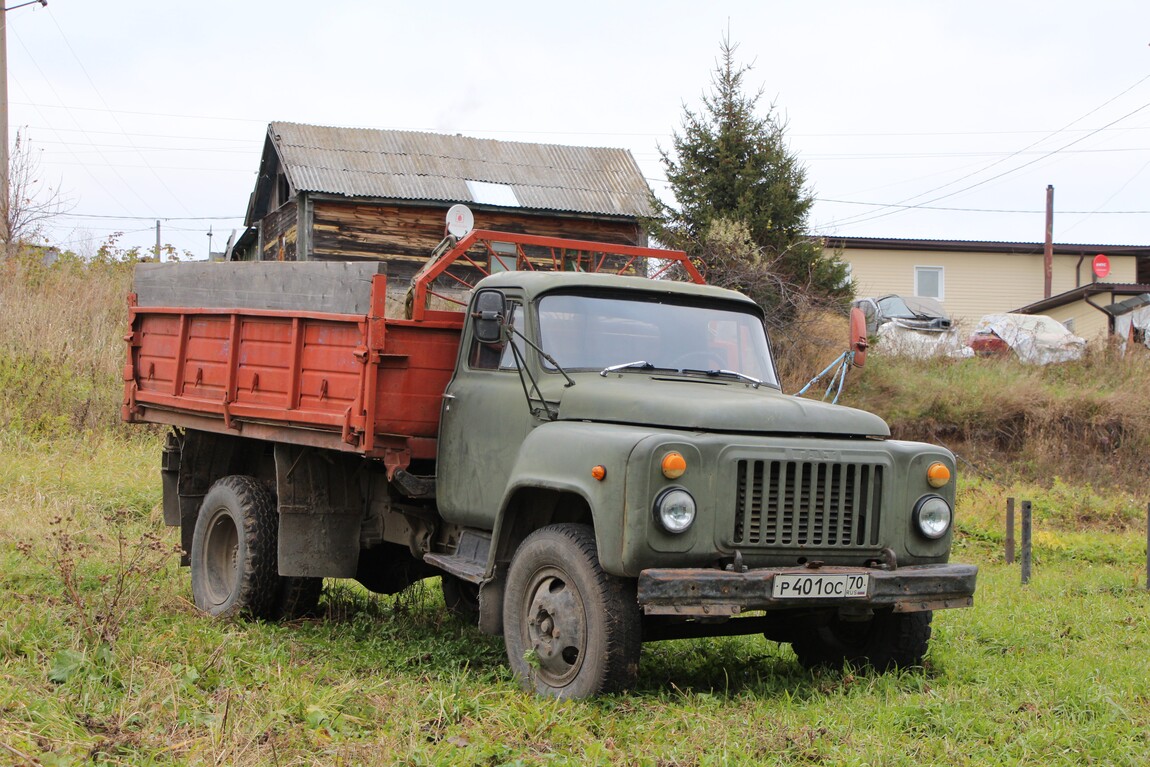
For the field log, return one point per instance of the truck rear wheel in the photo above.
(298, 597)
(233, 554)
(887, 641)
(571, 630)
(461, 598)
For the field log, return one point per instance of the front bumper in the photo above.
(695, 592)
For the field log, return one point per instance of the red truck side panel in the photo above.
(374, 385)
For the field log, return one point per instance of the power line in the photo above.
(987, 210)
(100, 95)
(858, 220)
(54, 93)
(149, 218)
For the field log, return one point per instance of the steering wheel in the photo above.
(699, 360)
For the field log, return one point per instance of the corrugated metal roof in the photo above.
(409, 165)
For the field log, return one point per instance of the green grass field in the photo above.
(104, 660)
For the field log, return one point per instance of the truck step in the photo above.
(469, 561)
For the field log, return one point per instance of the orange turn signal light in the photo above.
(937, 474)
(599, 472)
(674, 465)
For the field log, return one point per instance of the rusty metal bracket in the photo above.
(349, 432)
(395, 460)
(228, 422)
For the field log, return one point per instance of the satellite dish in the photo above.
(858, 337)
(460, 222)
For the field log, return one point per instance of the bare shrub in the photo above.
(807, 345)
(105, 574)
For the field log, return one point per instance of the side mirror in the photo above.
(488, 312)
(858, 338)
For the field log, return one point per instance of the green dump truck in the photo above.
(587, 460)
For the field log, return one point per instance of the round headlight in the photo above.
(932, 515)
(675, 510)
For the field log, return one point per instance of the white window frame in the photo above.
(941, 272)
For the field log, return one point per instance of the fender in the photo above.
(559, 457)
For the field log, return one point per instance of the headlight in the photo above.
(675, 510)
(932, 515)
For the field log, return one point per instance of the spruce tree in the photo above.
(741, 202)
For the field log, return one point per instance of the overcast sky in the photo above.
(154, 109)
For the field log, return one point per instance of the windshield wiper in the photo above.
(754, 382)
(637, 364)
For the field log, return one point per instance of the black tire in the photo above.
(571, 630)
(461, 598)
(887, 641)
(298, 597)
(233, 554)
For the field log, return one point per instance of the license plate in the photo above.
(789, 586)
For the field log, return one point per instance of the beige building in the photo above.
(1090, 310)
(972, 279)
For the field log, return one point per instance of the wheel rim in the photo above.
(221, 558)
(555, 626)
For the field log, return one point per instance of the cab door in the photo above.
(484, 419)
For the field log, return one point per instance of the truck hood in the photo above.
(700, 404)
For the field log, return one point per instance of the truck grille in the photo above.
(795, 503)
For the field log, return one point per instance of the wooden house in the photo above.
(355, 193)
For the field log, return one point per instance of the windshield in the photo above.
(894, 306)
(598, 332)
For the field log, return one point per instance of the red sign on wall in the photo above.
(1101, 266)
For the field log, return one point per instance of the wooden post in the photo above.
(1026, 528)
(1009, 531)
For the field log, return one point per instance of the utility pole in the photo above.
(1048, 249)
(157, 240)
(4, 201)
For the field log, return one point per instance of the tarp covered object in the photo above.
(1035, 338)
(1139, 319)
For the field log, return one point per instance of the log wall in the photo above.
(407, 234)
(279, 233)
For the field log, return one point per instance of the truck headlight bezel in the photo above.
(675, 510)
(933, 517)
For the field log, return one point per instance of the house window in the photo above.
(283, 191)
(505, 258)
(928, 282)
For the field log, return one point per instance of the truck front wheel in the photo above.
(888, 640)
(233, 554)
(571, 630)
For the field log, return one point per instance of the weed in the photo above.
(101, 594)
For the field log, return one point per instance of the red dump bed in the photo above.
(304, 352)
(349, 379)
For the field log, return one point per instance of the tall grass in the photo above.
(61, 344)
(1085, 421)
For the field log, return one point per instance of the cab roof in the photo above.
(537, 283)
